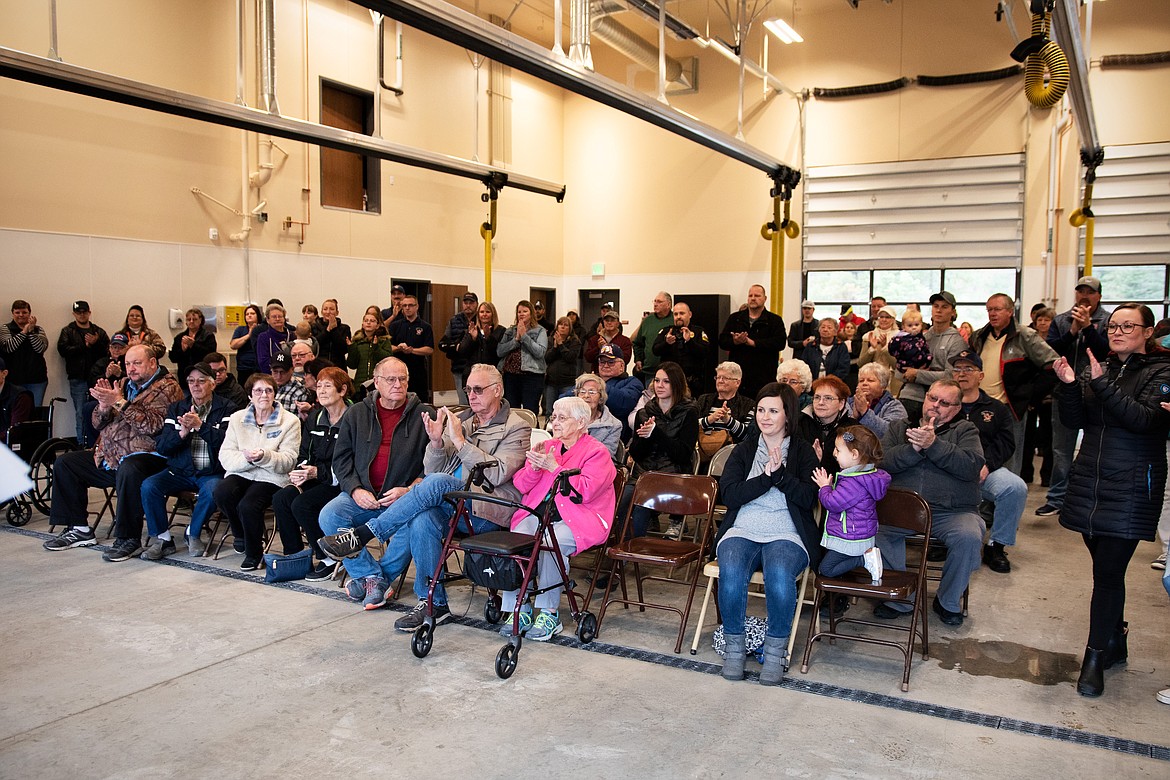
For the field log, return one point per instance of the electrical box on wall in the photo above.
(176, 319)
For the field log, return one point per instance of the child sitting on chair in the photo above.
(850, 499)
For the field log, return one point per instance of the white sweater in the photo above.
(280, 438)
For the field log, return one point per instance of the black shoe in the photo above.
(346, 543)
(238, 545)
(996, 559)
(885, 612)
(415, 618)
(937, 552)
(945, 615)
(251, 564)
(1117, 651)
(123, 549)
(322, 571)
(1092, 679)
(839, 605)
(1047, 509)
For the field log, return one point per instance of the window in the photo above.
(1139, 283)
(349, 180)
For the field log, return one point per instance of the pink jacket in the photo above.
(590, 520)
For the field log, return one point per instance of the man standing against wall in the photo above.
(82, 344)
(753, 338)
(686, 344)
(645, 361)
(22, 345)
(1081, 327)
(453, 335)
(414, 342)
(806, 332)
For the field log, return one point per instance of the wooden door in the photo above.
(446, 301)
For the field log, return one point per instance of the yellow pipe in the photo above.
(1083, 217)
(487, 230)
(775, 231)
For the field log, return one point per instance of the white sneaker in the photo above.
(676, 529)
(1159, 563)
(1163, 696)
(873, 564)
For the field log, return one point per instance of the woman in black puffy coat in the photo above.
(1118, 480)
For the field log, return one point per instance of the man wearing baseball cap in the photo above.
(289, 389)
(609, 332)
(622, 390)
(1080, 328)
(453, 336)
(996, 434)
(82, 344)
(397, 293)
(945, 342)
(805, 332)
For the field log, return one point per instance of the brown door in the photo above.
(446, 300)
(341, 172)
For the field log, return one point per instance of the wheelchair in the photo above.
(34, 442)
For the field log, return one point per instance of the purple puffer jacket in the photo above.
(851, 503)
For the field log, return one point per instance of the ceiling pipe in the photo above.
(625, 41)
(580, 13)
(1067, 31)
(266, 32)
(468, 31)
(29, 68)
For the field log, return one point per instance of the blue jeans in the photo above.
(343, 512)
(167, 483)
(782, 562)
(429, 528)
(79, 392)
(1009, 493)
(961, 532)
(38, 392)
(1064, 443)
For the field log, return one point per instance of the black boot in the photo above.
(1117, 651)
(1092, 679)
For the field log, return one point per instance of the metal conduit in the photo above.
(468, 31)
(32, 69)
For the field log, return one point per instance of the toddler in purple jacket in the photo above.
(850, 499)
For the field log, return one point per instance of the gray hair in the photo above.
(881, 373)
(574, 407)
(796, 368)
(490, 370)
(387, 360)
(732, 369)
(600, 386)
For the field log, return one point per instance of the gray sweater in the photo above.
(943, 347)
(946, 473)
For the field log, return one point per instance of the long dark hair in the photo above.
(787, 400)
(679, 391)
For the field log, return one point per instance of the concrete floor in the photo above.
(137, 669)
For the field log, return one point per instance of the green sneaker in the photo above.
(525, 621)
(545, 627)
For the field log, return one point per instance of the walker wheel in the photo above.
(587, 628)
(421, 641)
(491, 610)
(506, 661)
(19, 513)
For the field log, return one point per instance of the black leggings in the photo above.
(1110, 559)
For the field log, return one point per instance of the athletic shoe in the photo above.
(884, 611)
(251, 564)
(324, 570)
(355, 589)
(873, 565)
(525, 621)
(1047, 509)
(343, 544)
(415, 618)
(1159, 563)
(158, 550)
(1163, 696)
(238, 545)
(375, 593)
(71, 537)
(676, 529)
(545, 627)
(123, 550)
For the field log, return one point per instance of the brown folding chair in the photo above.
(615, 529)
(682, 494)
(899, 509)
(934, 568)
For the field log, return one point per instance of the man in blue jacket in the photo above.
(190, 439)
(622, 390)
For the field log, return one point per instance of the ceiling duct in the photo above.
(625, 41)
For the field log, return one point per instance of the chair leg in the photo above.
(813, 628)
(796, 616)
(702, 615)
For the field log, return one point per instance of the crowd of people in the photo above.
(858, 405)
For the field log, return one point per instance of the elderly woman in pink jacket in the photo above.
(578, 526)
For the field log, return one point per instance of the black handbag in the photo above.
(497, 572)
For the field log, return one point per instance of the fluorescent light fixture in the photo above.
(723, 49)
(782, 30)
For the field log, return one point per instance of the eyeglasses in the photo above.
(199, 380)
(965, 369)
(588, 392)
(560, 417)
(263, 391)
(934, 399)
(392, 380)
(476, 389)
(826, 398)
(1124, 327)
(721, 378)
(219, 371)
(792, 381)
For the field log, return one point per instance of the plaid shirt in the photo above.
(200, 454)
(291, 393)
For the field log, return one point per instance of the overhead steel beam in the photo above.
(464, 29)
(1066, 30)
(32, 69)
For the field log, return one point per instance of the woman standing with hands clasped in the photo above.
(522, 349)
(1118, 480)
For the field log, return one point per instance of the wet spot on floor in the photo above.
(1006, 660)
